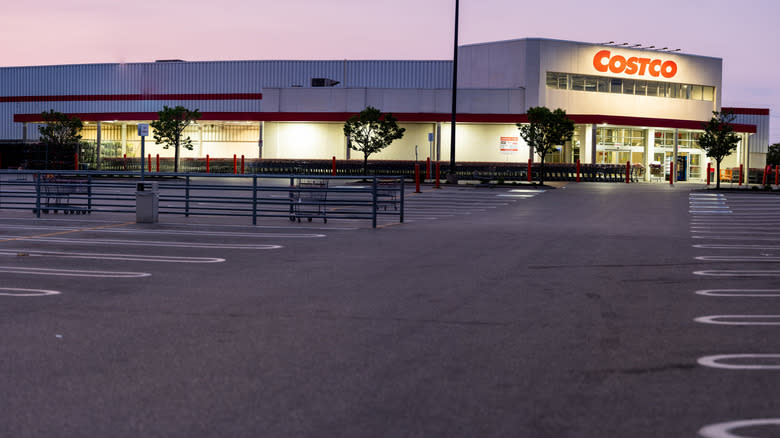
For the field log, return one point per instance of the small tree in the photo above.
(169, 127)
(61, 131)
(719, 139)
(371, 131)
(773, 156)
(544, 131)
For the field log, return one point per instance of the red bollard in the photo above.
(124, 160)
(207, 164)
(671, 173)
(428, 169)
(158, 162)
(709, 169)
(628, 172)
(438, 174)
(740, 173)
(777, 175)
(416, 178)
(578, 170)
(333, 166)
(76, 158)
(766, 170)
(150, 162)
(235, 165)
(242, 165)
(529, 170)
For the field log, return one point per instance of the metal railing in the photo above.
(252, 196)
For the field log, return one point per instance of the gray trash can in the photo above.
(147, 200)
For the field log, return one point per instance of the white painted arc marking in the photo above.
(738, 273)
(724, 246)
(739, 319)
(715, 361)
(743, 238)
(750, 293)
(515, 196)
(724, 430)
(30, 292)
(765, 259)
(105, 256)
(72, 272)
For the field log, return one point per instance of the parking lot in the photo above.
(587, 310)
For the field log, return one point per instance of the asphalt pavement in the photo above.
(577, 311)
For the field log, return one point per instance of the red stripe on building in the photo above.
(121, 97)
(403, 117)
(747, 111)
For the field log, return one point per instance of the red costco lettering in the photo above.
(603, 61)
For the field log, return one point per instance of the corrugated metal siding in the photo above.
(759, 142)
(213, 77)
(217, 76)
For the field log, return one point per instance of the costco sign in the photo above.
(604, 61)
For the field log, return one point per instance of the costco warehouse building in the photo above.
(629, 104)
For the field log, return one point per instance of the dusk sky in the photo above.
(48, 32)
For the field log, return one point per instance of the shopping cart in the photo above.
(307, 199)
(56, 195)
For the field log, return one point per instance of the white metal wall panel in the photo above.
(759, 142)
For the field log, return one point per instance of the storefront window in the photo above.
(566, 81)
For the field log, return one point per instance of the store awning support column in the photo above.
(673, 175)
(260, 138)
(649, 152)
(594, 143)
(438, 141)
(97, 146)
(124, 138)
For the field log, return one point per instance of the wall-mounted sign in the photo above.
(509, 144)
(604, 61)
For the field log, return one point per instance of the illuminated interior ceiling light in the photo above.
(676, 50)
(637, 45)
(651, 47)
(664, 48)
(624, 44)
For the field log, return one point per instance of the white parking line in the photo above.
(72, 272)
(739, 292)
(168, 243)
(724, 430)
(105, 256)
(19, 292)
(716, 361)
(170, 232)
(738, 273)
(739, 319)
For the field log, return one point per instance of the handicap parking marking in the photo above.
(724, 430)
(20, 292)
(717, 361)
(739, 273)
(739, 319)
(108, 256)
(751, 293)
(72, 272)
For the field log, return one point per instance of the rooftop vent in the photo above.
(169, 60)
(323, 82)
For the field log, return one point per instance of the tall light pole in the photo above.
(451, 176)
